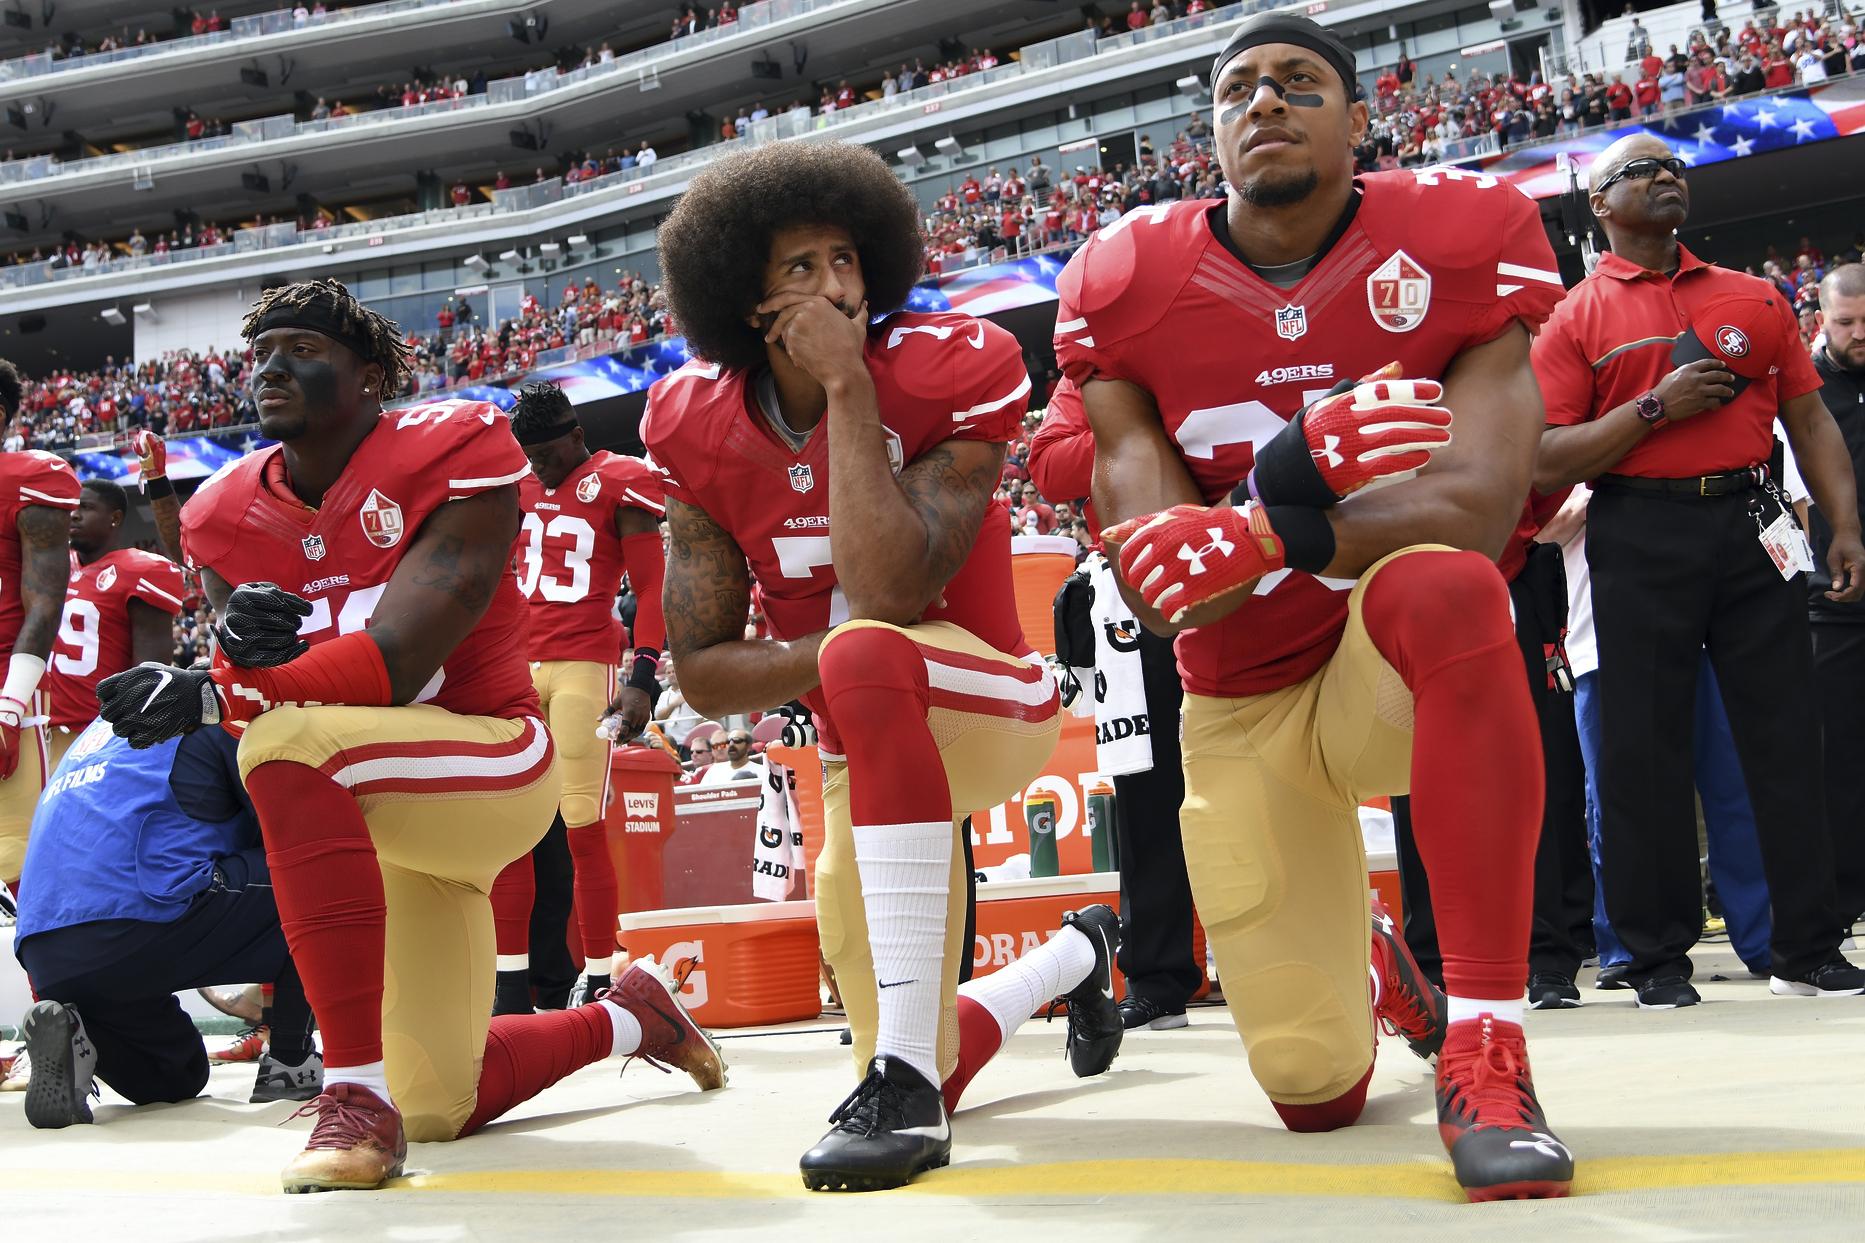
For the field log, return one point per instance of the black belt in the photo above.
(1697, 485)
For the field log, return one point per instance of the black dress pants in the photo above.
(122, 976)
(1839, 685)
(1155, 892)
(1673, 575)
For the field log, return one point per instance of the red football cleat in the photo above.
(1489, 1118)
(1404, 1002)
(357, 1144)
(669, 1036)
(247, 1046)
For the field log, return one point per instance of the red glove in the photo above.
(1189, 555)
(152, 450)
(12, 712)
(1382, 429)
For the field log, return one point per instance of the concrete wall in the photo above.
(195, 320)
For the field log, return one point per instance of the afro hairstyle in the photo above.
(12, 389)
(716, 243)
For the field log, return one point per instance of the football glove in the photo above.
(1381, 429)
(12, 714)
(153, 703)
(152, 451)
(1188, 555)
(259, 627)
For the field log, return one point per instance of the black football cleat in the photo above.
(891, 1127)
(1094, 1023)
(1489, 1119)
(1405, 1002)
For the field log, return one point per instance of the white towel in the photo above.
(777, 856)
(1122, 732)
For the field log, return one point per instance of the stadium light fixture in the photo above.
(950, 148)
(576, 240)
(549, 248)
(510, 256)
(911, 155)
(113, 316)
(1190, 84)
(476, 262)
(145, 310)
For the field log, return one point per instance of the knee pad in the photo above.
(862, 655)
(1305, 1043)
(1237, 879)
(1425, 609)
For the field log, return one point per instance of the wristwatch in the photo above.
(1649, 408)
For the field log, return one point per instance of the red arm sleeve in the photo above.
(1062, 451)
(647, 571)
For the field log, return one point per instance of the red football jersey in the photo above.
(27, 477)
(938, 377)
(1434, 262)
(569, 559)
(245, 525)
(94, 635)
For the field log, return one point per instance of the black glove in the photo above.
(799, 726)
(259, 627)
(153, 703)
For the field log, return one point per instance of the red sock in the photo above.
(513, 892)
(526, 1053)
(979, 1039)
(597, 895)
(1441, 619)
(328, 885)
(1332, 1115)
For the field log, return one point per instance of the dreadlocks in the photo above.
(543, 413)
(12, 389)
(714, 246)
(329, 307)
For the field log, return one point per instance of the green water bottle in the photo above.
(1039, 813)
(1101, 836)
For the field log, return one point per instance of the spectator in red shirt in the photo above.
(1136, 17)
(461, 195)
(1619, 100)
(1647, 95)
(845, 95)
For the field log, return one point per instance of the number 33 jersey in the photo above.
(247, 526)
(569, 558)
(1433, 263)
(937, 377)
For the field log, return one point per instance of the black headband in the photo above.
(538, 435)
(1288, 28)
(320, 316)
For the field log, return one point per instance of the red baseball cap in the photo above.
(1745, 332)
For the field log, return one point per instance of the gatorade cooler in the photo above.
(1038, 564)
(753, 964)
(638, 820)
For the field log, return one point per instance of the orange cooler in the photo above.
(1017, 916)
(754, 964)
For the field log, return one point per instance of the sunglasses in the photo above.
(1644, 169)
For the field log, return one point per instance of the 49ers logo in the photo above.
(381, 519)
(1731, 341)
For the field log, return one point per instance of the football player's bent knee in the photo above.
(1428, 608)
(869, 656)
(1305, 1043)
(290, 734)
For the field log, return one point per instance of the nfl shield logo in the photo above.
(381, 519)
(1399, 293)
(587, 487)
(802, 478)
(314, 547)
(1291, 322)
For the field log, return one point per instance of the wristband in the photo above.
(22, 678)
(1285, 473)
(1306, 534)
(157, 488)
(641, 677)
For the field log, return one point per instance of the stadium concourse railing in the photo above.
(1039, 58)
(281, 21)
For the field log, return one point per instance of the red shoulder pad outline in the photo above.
(680, 445)
(638, 485)
(44, 479)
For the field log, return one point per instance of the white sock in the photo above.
(512, 962)
(1461, 1008)
(372, 1076)
(905, 872)
(626, 1028)
(1015, 992)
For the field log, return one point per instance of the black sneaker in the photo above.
(64, 1064)
(1095, 1025)
(1612, 977)
(1667, 992)
(890, 1128)
(1144, 1012)
(1405, 1002)
(1549, 990)
(281, 1081)
(1833, 978)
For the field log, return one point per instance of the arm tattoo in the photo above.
(708, 584)
(950, 501)
(449, 570)
(45, 571)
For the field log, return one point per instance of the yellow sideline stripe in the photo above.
(1072, 1180)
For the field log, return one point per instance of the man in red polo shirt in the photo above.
(1663, 376)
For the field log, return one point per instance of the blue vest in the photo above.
(127, 834)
